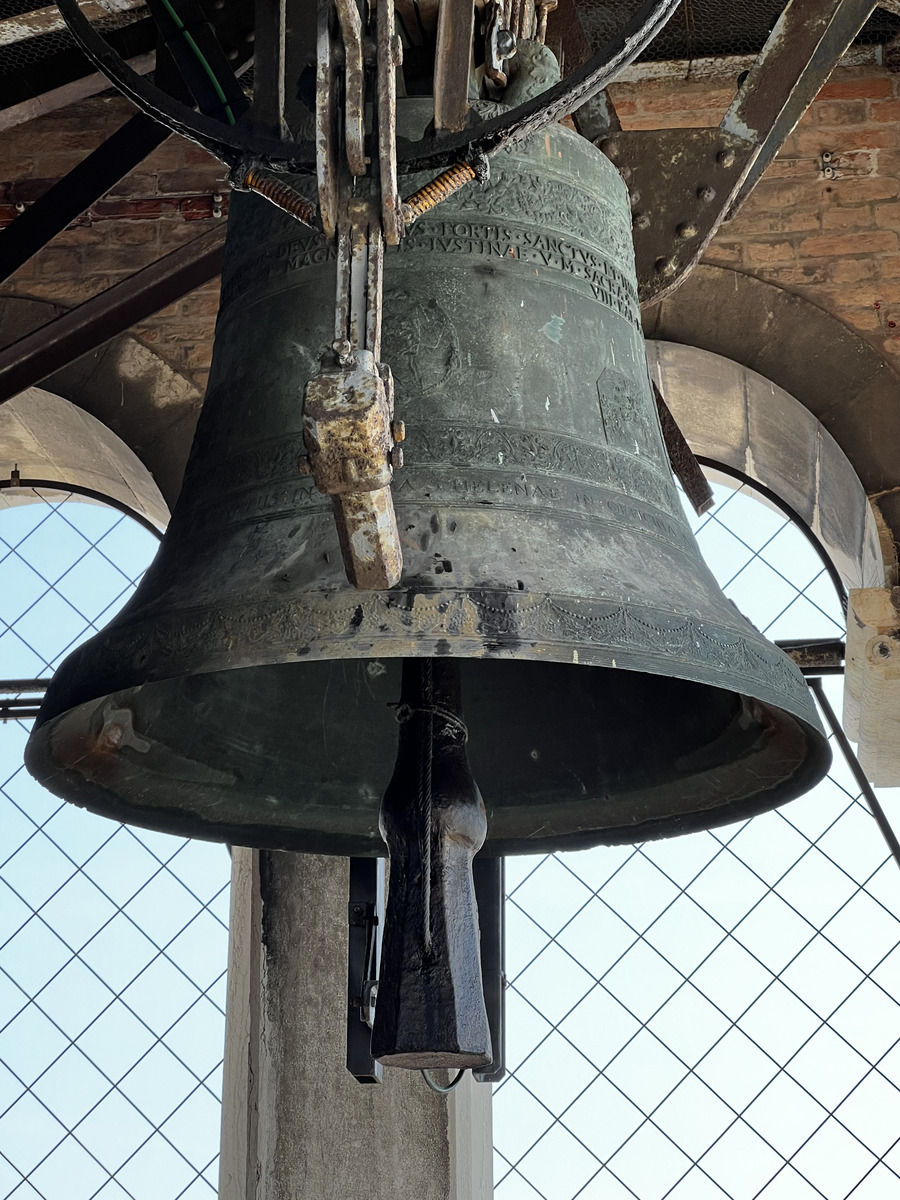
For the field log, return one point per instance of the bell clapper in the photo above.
(431, 1012)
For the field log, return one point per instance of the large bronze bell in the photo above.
(612, 692)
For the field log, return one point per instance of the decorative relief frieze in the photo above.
(367, 624)
(590, 215)
(519, 243)
(455, 464)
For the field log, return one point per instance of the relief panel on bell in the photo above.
(626, 415)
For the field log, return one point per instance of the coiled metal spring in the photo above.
(281, 194)
(429, 196)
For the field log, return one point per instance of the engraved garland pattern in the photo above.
(205, 640)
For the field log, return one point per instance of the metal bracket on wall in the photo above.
(365, 911)
(490, 893)
(685, 182)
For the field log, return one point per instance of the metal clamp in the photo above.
(348, 409)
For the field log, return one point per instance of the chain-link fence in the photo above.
(112, 940)
(714, 1015)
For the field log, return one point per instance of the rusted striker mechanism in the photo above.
(531, 554)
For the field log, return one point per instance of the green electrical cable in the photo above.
(201, 59)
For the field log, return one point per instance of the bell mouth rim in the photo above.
(404, 622)
(436, 623)
(88, 793)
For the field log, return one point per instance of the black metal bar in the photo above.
(9, 711)
(184, 19)
(682, 459)
(15, 686)
(490, 892)
(231, 144)
(67, 199)
(865, 787)
(363, 921)
(801, 52)
(85, 328)
(815, 656)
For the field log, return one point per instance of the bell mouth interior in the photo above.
(297, 756)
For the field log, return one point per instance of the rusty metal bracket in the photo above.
(348, 408)
(365, 912)
(685, 182)
(680, 182)
(802, 50)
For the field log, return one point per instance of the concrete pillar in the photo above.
(295, 1124)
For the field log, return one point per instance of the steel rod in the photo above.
(76, 192)
(858, 774)
(85, 328)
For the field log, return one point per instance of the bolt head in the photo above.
(706, 193)
(611, 147)
(506, 43)
(666, 266)
(640, 221)
(725, 158)
(687, 230)
(398, 429)
(396, 457)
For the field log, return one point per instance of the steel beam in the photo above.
(802, 50)
(76, 192)
(85, 328)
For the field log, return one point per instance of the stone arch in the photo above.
(822, 364)
(48, 438)
(127, 387)
(735, 416)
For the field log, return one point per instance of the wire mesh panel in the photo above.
(709, 28)
(713, 1016)
(112, 940)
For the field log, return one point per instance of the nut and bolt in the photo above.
(506, 43)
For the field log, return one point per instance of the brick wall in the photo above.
(836, 241)
(163, 203)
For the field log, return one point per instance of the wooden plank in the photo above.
(451, 71)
